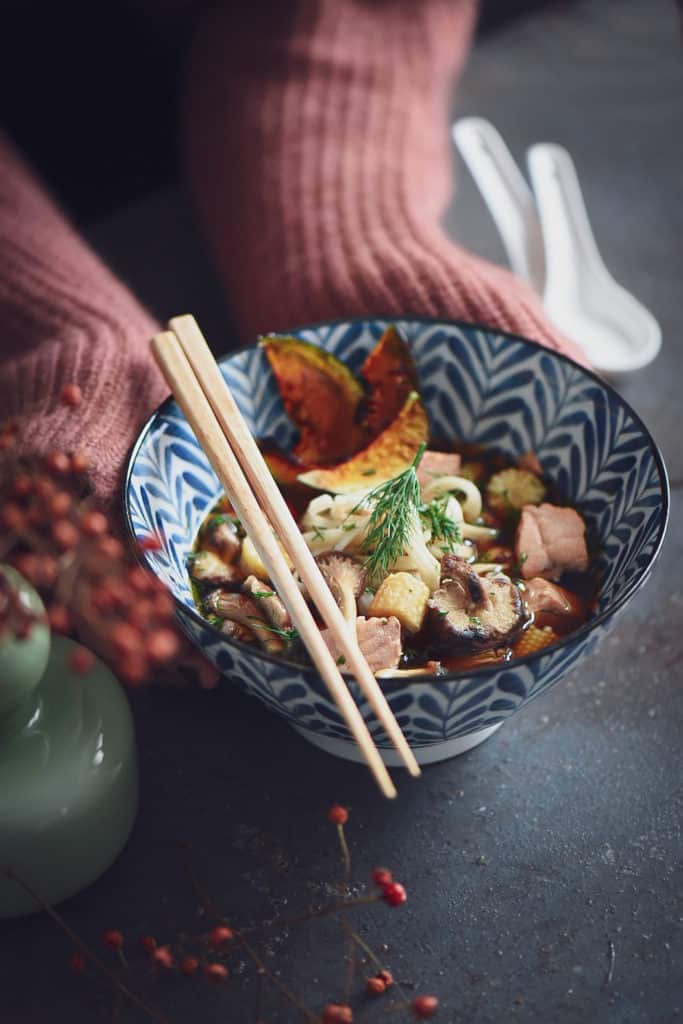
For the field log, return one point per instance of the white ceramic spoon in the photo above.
(580, 296)
(556, 252)
(507, 195)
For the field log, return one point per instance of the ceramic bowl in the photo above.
(478, 386)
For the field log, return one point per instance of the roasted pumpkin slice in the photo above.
(284, 469)
(320, 395)
(391, 374)
(385, 457)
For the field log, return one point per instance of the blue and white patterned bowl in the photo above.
(478, 386)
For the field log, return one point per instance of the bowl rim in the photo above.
(484, 670)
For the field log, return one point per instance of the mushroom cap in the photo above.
(269, 604)
(470, 612)
(208, 567)
(344, 571)
(243, 610)
(238, 631)
(235, 606)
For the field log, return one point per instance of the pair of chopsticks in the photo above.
(209, 407)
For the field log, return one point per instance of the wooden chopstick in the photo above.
(247, 452)
(194, 404)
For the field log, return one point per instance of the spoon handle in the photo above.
(570, 248)
(507, 195)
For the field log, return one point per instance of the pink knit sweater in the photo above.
(316, 144)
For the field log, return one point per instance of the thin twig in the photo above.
(342, 889)
(278, 923)
(211, 908)
(274, 980)
(611, 953)
(351, 958)
(116, 1008)
(346, 856)
(260, 1001)
(199, 890)
(85, 949)
(362, 944)
(326, 911)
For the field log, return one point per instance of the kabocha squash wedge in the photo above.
(385, 457)
(391, 374)
(320, 395)
(284, 469)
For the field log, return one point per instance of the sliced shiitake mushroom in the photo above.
(240, 608)
(346, 577)
(221, 534)
(268, 603)
(236, 631)
(208, 567)
(470, 612)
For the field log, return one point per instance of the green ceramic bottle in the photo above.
(68, 767)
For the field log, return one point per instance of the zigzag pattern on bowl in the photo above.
(479, 387)
(427, 713)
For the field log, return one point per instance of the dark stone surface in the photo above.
(528, 859)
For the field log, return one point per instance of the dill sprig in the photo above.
(440, 524)
(288, 635)
(394, 515)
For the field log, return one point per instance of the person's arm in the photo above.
(317, 144)
(65, 318)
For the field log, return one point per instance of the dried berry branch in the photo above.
(202, 954)
(210, 907)
(87, 953)
(92, 587)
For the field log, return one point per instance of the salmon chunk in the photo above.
(379, 638)
(544, 596)
(550, 539)
(552, 606)
(434, 464)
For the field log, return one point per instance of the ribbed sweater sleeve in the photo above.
(317, 144)
(65, 318)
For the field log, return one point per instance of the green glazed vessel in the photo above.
(68, 767)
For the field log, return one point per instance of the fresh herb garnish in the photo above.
(369, 472)
(475, 620)
(393, 519)
(288, 635)
(222, 517)
(263, 593)
(217, 518)
(349, 526)
(440, 523)
(523, 557)
(319, 532)
(341, 660)
(442, 613)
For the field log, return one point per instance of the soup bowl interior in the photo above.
(479, 387)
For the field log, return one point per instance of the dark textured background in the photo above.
(527, 857)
